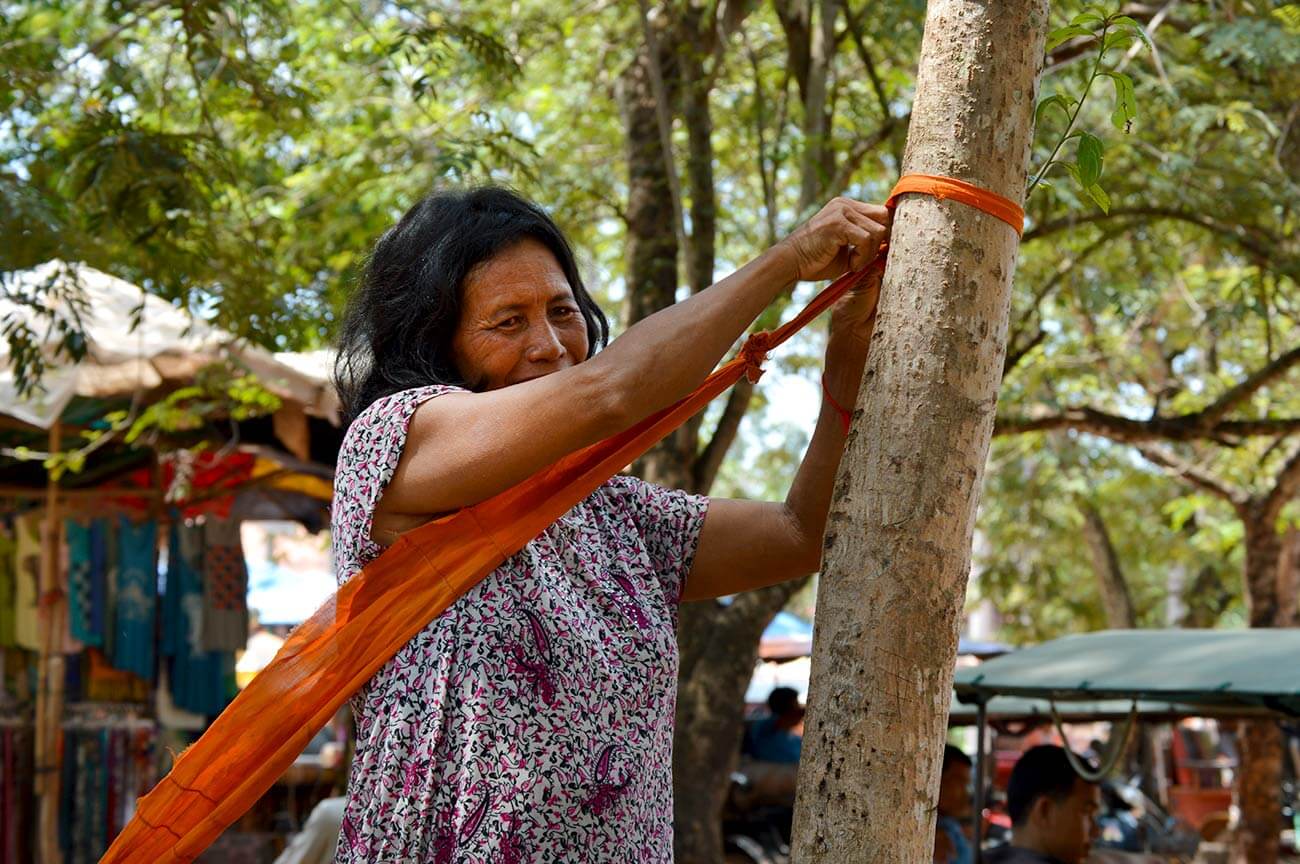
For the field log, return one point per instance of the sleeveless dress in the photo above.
(533, 720)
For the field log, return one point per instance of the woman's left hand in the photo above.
(854, 315)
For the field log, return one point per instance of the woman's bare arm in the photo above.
(465, 447)
(751, 544)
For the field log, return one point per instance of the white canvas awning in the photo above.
(167, 346)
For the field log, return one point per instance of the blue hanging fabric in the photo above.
(137, 596)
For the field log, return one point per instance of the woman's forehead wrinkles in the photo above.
(517, 295)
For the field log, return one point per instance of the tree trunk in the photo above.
(719, 646)
(1259, 777)
(898, 540)
(651, 242)
(1288, 580)
(1115, 597)
(1206, 600)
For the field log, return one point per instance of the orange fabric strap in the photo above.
(344, 643)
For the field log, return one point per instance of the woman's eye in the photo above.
(510, 323)
(565, 312)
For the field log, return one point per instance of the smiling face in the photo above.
(518, 319)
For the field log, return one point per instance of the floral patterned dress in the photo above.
(533, 720)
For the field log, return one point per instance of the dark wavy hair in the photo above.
(400, 320)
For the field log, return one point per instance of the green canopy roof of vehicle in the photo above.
(1017, 709)
(1219, 669)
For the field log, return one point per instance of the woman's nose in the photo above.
(545, 345)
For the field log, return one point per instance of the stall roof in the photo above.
(1220, 669)
(134, 342)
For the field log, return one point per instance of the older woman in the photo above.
(532, 721)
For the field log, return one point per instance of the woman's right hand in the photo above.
(845, 235)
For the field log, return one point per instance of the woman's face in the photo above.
(518, 319)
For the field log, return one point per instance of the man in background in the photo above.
(1053, 811)
(778, 737)
(951, 845)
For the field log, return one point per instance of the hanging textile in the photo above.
(98, 617)
(206, 471)
(100, 780)
(27, 576)
(8, 577)
(102, 682)
(137, 591)
(110, 587)
(17, 808)
(201, 681)
(225, 587)
(81, 584)
(338, 649)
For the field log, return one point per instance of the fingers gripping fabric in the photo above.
(345, 642)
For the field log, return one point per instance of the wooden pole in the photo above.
(899, 534)
(52, 610)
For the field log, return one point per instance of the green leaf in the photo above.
(1084, 18)
(1116, 39)
(1096, 193)
(1133, 27)
(1125, 100)
(1064, 34)
(1055, 99)
(1089, 159)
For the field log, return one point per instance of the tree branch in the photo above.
(707, 464)
(1116, 599)
(1128, 431)
(1205, 424)
(1064, 268)
(1195, 475)
(1247, 387)
(1286, 485)
(1253, 239)
(861, 148)
(1016, 353)
(854, 25)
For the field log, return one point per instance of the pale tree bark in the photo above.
(899, 536)
(1116, 600)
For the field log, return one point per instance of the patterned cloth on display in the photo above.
(225, 588)
(201, 681)
(81, 593)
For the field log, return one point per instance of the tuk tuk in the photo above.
(1130, 675)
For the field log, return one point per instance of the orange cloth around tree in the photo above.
(332, 654)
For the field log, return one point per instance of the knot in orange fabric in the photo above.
(754, 354)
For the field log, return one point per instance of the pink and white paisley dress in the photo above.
(533, 720)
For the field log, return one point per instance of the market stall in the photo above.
(123, 588)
